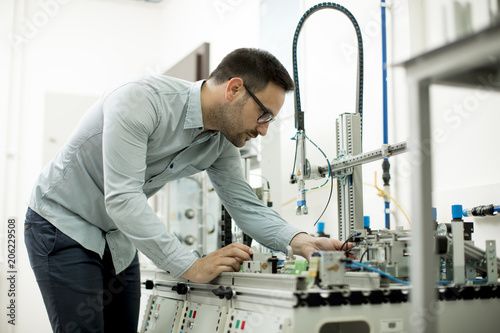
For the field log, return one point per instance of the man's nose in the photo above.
(262, 129)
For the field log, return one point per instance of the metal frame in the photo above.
(349, 191)
(464, 62)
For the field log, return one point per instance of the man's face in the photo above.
(239, 118)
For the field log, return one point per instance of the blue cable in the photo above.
(443, 282)
(324, 155)
(473, 281)
(384, 76)
(385, 117)
(360, 265)
(355, 264)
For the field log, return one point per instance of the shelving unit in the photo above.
(473, 61)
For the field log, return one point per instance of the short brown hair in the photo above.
(256, 67)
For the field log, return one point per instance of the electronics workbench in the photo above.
(333, 294)
(433, 278)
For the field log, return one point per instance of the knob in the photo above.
(223, 292)
(149, 284)
(181, 288)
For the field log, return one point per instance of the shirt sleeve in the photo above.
(130, 117)
(258, 221)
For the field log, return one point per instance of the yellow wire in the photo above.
(295, 199)
(380, 193)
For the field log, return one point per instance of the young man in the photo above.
(88, 212)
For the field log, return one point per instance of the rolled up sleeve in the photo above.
(258, 221)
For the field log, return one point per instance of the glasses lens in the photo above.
(265, 118)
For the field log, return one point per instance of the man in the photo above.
(88, 212)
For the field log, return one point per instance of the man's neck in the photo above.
(209, 99)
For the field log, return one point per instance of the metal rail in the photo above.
(338, 168)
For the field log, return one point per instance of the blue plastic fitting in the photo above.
(366, 221)
(456, 211)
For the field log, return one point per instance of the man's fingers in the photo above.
(233, 263)
(228, 269)
(227, 259)
(240, 246)
(237, 252)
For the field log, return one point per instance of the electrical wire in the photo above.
(382, 193)
(446, 282)
(299, 114)
(295, 199)
(327, 179)
(295, 157)
(379, 189)
(366, 252)
(347, 241)
(354, 264)
(327, 162)
(369, 268)
(326, 206)
(320, 150)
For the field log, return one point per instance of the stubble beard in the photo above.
(230, 123)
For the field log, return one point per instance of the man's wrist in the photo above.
(299, 242)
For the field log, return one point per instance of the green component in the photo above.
(191, 314)
(300, 266)
(237, 324)
(296, 267)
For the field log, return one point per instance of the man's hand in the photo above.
(304, 244)
(227, 259)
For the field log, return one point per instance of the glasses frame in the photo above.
(263, 119)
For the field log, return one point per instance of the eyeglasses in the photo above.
(267, 116)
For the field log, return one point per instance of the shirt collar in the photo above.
(194, 118)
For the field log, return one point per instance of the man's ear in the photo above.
(234, 88)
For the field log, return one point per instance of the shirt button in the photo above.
(171, 165)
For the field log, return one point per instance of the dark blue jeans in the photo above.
(80, 290)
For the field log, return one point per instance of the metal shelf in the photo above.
(471, 61)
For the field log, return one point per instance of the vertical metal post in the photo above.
(491, 261)
(423, 293)
(350, 188)
(457, 229)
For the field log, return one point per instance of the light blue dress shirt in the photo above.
(126, 147)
